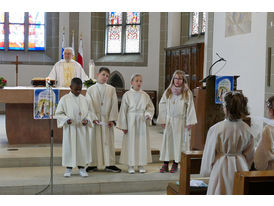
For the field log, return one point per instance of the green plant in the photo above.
(3, 82)
(89, 83)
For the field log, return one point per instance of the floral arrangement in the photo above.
(3, 82)
(89, 83)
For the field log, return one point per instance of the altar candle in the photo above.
(91, 69)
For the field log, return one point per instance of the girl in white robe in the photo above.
(229, 146)
(103, 99)
(176, 113)
(136, 112)
(72, 114)
(264, 155)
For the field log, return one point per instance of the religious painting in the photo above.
(45, 103)
(223, 84)
(237, 23)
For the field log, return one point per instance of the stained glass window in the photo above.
(195, 23)
(2, 31)
(133, 17)
(204, 22)
(198, 23)
(16, 37)
(22, 28)
(133, 39)
(123, 32)
(115, 18)
(36, 31)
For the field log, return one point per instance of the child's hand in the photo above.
(125, 131)
(69, 121)
(163, 126)
(110, 124)
(186, 87)
(147, 117)
(85, 122)
(188, 127)
(96, 122)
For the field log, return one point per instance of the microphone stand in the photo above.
(49, 86)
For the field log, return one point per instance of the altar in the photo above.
(21, 127)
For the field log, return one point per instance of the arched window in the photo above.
(22, 31)
(123, 33)
(197, 23)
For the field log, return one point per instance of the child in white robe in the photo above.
(103, 99)
(264, 155)
(229, 146)
(176, 113)
(135, 113)
(72, 114)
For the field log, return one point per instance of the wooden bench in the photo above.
(254, 183)
(190, 164)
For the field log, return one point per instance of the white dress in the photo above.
(264, 155)
(103, 100)
(229, 148)
(76, 150)
(176, 113)
(135, 106)
(64, 72)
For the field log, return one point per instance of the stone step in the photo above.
(31, 180)
(39, 157)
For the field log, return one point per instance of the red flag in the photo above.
(80, 53)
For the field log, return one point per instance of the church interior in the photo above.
(204, 45)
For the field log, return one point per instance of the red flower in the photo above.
(4, 81)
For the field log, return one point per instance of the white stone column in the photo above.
(85, 29)
(63, 22)
(174, 29)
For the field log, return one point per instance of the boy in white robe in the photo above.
(72, 114)
(103, 99)
(229, 146)
(264, 155)
(135, 113)
(176, 113)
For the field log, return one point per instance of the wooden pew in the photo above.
(254, 183)
(190, 164)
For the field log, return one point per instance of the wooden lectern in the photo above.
(207, 111)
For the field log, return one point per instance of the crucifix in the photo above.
(17, 63)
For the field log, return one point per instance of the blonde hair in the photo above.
(184, 93)
(135, 75)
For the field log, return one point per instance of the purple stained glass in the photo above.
(133, 17)
(2, 36)
(16, 36)
(114, 18)
(195, 23)
(2, 17)
(133, 39)
(17, 17)
(36, 17)
(204, 22)
(36, 37)
(114, 39)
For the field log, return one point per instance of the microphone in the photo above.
(221, 58)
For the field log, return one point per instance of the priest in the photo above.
(66, 69)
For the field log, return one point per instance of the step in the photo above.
(33, 179)
(39, 156)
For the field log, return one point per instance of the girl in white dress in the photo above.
(176, 113)
(135, 114)
(229, 146)
(264, 155)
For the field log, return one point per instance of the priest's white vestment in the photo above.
(63, 72)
